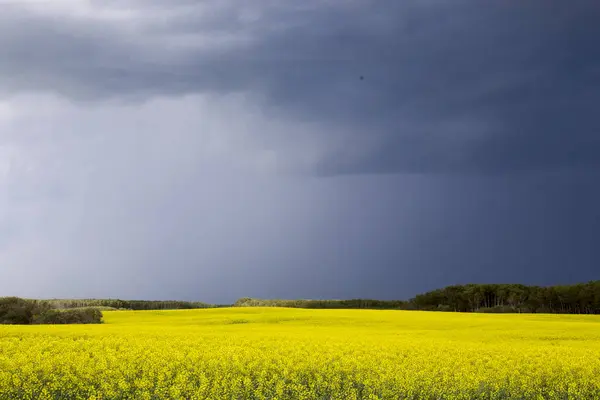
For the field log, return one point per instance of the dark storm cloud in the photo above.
(447, 87)
(161, 158)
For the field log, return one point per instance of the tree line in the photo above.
(583, 298)
(118, 304)
(327, 304)
(17, 311)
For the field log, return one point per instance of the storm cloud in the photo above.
(219, 149)
(460, 87)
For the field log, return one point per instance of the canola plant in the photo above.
(277, 353)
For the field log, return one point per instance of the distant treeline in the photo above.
(353, 303)
(17, 311)
(118, 304)
(582, 298)
(493, 298)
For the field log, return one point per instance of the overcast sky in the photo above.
(209, 150)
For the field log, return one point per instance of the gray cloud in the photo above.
(177, 149)
(460, 87)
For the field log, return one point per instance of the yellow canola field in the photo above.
(277, 353)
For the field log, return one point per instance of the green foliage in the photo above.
(323, 304)
(496, 310)
(126, 304)
(72, 316)
(583, 298)
(17, 311)
(14, 310)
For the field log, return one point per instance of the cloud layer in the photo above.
(216, 149)
(461, 87)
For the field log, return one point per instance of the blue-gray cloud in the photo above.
(151, 149)
(460, 87)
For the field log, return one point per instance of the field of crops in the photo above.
(275, 353)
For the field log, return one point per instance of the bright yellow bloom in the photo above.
(276, 353)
